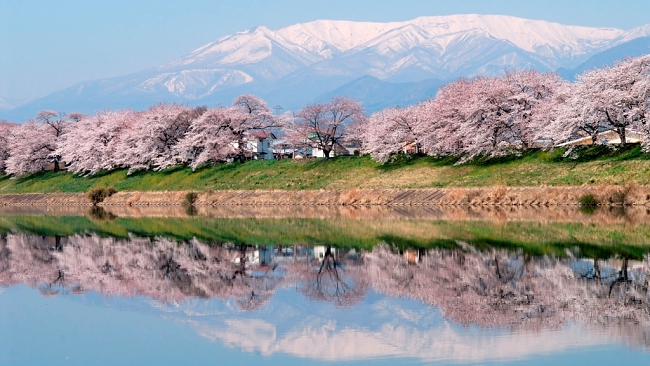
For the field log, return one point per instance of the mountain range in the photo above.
(380, 64)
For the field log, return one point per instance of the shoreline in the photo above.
(605, 195)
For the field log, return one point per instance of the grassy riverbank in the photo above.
(593, 165)
(590, 240)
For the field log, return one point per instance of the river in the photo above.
(323, 285)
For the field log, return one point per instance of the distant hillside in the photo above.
(375, 94)
(634, 48)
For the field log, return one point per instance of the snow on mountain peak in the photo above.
(324, 39)
(638, 32)
(526, 34)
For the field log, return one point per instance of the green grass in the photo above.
(588, 165)
(600, 241)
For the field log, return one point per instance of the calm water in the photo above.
(305, 286)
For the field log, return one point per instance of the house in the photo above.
(337, 150)
(353, 147)
(282, 150)
(411, 148)
(258, 145)
(609, 137)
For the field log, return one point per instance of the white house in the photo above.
(337, 150)
(258, 145)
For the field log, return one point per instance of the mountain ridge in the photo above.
(294, 65)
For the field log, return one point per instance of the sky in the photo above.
(49, 45)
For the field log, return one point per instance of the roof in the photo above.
(340, 149)
(261, 135)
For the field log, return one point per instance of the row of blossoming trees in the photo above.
(494, 115)
(165, 135)
(485, 116)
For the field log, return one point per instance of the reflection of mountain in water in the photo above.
(488, 287)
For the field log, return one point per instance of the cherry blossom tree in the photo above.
(93, 144)
(221, 134)
(150, 142)
(5, 131)
(322, 126)
(616, 96)
(440, 118)
(33, 145)
(250, 114)
(564, 120)
(498, 113)
(484, 116)
(391, 131)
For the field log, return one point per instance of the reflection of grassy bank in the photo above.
(537, 238)
(592, 165)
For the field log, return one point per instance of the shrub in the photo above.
(618, 198)
(588, 200)
(97, 195)
(190, 198)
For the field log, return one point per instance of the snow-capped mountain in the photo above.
(439, 47)
(295, 64)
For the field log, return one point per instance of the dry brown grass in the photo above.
(606, 195)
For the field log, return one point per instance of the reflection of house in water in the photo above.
(256, 255)
(412, 256)
(610, 269)
(263, 255)
(305, 253)
(268, 255)
(319, 252)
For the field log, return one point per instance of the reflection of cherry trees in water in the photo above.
(500, 288)
(492, 287)
(158, 268)
(332, 280)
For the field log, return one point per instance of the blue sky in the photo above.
(48, 45)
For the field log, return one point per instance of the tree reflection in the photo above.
(159, 268)
(333, 282)
(487, 287)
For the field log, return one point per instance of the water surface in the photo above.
(323, 285)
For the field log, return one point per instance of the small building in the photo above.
(337, 150)
(283, 150)
(411, 148)
(260, 144)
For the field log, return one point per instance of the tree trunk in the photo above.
(326, 153)
(621, 134)
(56, 166)
(594, 137)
